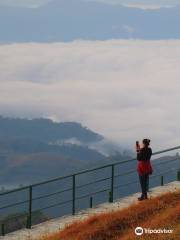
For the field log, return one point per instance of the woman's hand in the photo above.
(138, 148)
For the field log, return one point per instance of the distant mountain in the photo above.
(29, 149)
(45, 130)
(39, 149)
(67, 20)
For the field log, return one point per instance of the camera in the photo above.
(137, 146)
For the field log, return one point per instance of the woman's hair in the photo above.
(146, 142)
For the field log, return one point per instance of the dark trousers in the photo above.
(144, 181)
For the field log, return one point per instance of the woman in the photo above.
(144, 166)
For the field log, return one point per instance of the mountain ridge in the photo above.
(71, 20)
(38, 149)
(45, 129)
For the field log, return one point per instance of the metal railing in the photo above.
(110, 177)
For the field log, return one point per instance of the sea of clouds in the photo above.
(123, 89)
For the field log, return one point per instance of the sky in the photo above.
(123, 89)
(133, 3)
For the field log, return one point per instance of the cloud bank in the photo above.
(123, 89)
(24, 3)
(148, 4)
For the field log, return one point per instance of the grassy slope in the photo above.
(160, 212)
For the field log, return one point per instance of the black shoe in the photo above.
(141, 198)
(145, 196)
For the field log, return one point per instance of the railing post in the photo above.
(110, 197)
(30, 208)
(162, 181)
(178, 175)
(27, 222)
(91, 202)
(74, 195)
(112, 184)
(2, 229)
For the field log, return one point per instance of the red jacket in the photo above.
(144, 167)
(144, 163)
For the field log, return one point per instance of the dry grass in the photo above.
(160, 212)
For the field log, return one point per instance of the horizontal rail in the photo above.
(154, 164)
(51, 194)
(92, 194)
(166, 150)
(90, 183)
(52, 206)
(160, 174)
(125, 185)
(14, 204)
(85, 171)
(14, 190)
(163, 162)
(153, 176)
(126, 173)
(65, 202)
